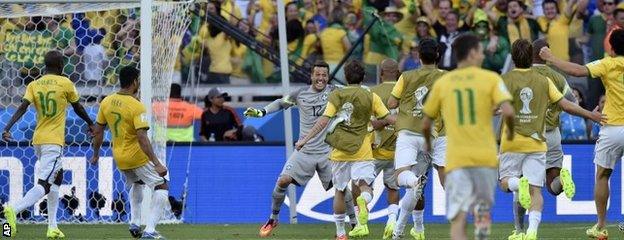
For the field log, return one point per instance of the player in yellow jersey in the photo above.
(50, 94)
(125, 117)
(385, 142)
(350, 109)
(610, 145)
(523, 159)
(411, 161)
(466, 98)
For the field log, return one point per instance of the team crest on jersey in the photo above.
(143, 117)
(324, 96)
(526, 95)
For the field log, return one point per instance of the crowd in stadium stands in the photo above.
(98, 44)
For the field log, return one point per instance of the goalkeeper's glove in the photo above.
(252, 112)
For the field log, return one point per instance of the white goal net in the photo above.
(97, 40)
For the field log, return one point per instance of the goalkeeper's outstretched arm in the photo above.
(275, 106)
(6, 133)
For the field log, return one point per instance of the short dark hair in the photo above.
(354, 72)
(127, 76)
(618, 11)
(320, 64)
(463, 44)
(522, 53)
(553, 2)
(617, 41)
(456, 13)
(53, 61)
(538, 44)
(429, 51)
(176, 91)
(521, 3)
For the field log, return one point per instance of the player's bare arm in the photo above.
(507, 111)
(575, 109)
(393, 102)
(146, 147)
(318, 127)
(567, 67)
(21, 110)
(427, 125)
(82, 113)
(379, 124)
(98, 139)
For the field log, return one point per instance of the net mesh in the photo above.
(97, 40)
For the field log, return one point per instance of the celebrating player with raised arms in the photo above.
(523, 159)
(50, 94)
(350, 110)
(610, 145)
(313, 157)
(132, 151)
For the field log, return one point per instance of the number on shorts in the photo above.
(116, 123)
(460, 105)
(47, 103)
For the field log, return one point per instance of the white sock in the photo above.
(368, 197)
(417, 216)
(534, 220)
(408, 202)
(53, 199)
(350, 206)
(393, 211)
(159, 200)
(512, 183)
(407, 179)
(136, 198)
(340, 224)
(32, 196)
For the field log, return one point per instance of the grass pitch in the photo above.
(287, 231)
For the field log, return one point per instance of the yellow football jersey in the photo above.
(611, 72)
(124, 115)
(365, 152)
(51, 94)
(466, 99)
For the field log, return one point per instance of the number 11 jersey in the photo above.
(467, 98)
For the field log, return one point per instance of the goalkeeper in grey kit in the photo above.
(314, 156)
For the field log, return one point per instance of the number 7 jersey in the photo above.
(50, 94)
(467, 98)
(124, 115)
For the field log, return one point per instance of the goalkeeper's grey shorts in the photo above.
(301, 167)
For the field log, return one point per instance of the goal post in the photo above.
(97, 39)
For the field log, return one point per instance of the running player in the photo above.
(409, 95)
(465, 98)
(50, 94)
(300, 168)
(610, 145)
(385, 142)
(352, 155)
(558, 179)
(523, 159)
(132, 151)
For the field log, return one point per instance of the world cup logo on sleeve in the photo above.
(345, 113)
(526, 95)
(419, 96)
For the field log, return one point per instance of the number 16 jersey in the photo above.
(50, 95)
(124, 115)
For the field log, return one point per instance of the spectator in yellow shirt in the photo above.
(556, 26)
(334, 42)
